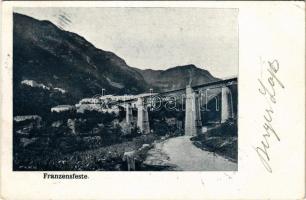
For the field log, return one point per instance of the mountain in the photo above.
(52, 66)
(55, 58)
(50, 55)
(176, 77)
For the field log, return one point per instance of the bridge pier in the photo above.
(142, 117)
(193, 123)
(226, 104)
(128, 113)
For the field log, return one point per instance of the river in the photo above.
(181, 155)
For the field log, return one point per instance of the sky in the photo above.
(155, 38)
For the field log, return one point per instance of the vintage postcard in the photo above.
(152, 100)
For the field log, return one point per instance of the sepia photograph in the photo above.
(125, 89)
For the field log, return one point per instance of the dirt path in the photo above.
(180, 154)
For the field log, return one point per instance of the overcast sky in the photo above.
(156, 38)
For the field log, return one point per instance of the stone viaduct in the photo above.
(193, 122)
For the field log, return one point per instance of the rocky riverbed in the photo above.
(180, 153)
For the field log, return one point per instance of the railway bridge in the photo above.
(195, 100)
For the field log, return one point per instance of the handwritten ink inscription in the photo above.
(268, 87)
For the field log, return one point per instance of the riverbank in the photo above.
(226, 147)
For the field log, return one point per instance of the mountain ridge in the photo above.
(176, 77)
(56, 58)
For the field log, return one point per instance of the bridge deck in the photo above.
(206, 85)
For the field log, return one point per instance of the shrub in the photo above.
(228, 128)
